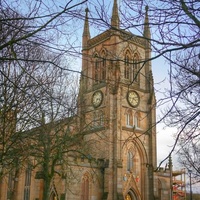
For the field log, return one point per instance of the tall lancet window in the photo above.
(27, 183)
(128, 116)
(98, 119)
(136, 119)
(136, 67)
(103, 66)
(128, 119)
(101, 118)
(96, 69)
(10, 184)
(100, 67)
(127, 71)
(129, 161)
(85, 188)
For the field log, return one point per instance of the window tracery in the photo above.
(100, 67)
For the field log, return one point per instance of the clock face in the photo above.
(133, 98)
(97, 98)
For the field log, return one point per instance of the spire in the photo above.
(86, 31)
(146, 32)
(115, 16)
(147, 37)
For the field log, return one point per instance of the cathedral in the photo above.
(117, 111)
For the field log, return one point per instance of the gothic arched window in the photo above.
(96, 68)
(136, 67)
(95, 119)
(129, 161)
(103, 66)
(10, 184)
(127, 71)
(85, 188)
(98, 119)
(136, 119)
(128, 118)
(99, 67)
(101, 118)
(27, 183)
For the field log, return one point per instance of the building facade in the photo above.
(117, 103)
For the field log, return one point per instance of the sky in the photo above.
(165, 138)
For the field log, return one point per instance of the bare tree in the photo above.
(27, 34)
(174, 29)
(28, 92)
(45, 24)
(34, 80)
(175, 37)
(189, 157)
(52, 139)
(36, 88)
(185, 112)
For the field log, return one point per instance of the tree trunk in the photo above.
(46, 189)
(47, 177)
(14, 193)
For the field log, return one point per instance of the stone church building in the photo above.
(117, 100)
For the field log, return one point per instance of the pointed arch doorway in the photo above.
(53, 196)
(131, 196)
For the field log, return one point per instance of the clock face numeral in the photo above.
(133, 98)
(97, 98)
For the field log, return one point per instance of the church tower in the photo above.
(117, 108)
